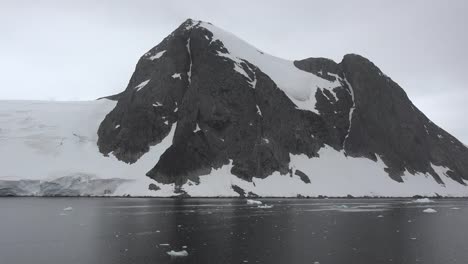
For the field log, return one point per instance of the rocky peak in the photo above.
(230, 103)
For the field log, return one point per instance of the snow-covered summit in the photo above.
(299, 86)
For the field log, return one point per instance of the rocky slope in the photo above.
(234, 104)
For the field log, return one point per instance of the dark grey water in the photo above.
(98, 230)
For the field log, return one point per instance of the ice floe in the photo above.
(253, 202)
(429, 210)
(182, 253)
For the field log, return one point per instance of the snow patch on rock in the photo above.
(141, 85)
(157, 55)
(177, 76)
(351, 111)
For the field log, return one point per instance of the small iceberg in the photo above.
(429, 210)
(182, 253)
(68, 209)
(253, 202)
(423, 200)
(265, 206)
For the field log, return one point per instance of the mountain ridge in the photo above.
(206, 114)
(327, 114)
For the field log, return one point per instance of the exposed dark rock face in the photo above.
(303, 176)
(386, 123)
(238, 190)
(153, 187)
(223, 116)
(219, 116)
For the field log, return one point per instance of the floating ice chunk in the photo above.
(455, 208)
(68, 208)
(117, 126)
(141, 85)
(182, 253)
(380, 216)
(157, 55)
(164, 245)
(184, 247)
(253, 202)
(62, 214)
(423, 200)
(265, 206)
(429, 210)
(413, 238)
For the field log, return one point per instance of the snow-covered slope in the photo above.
(54, 144)
(333, 174)
(299, 86)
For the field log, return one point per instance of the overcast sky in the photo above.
(81, 50)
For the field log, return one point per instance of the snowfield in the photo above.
(52, 145)
(49, 148)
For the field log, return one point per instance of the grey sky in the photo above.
(80, 50)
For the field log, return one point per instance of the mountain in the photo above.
(207, 114)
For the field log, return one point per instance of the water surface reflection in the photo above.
(97, 230)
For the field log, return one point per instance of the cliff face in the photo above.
(235, 105)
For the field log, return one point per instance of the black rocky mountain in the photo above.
(221, 118)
